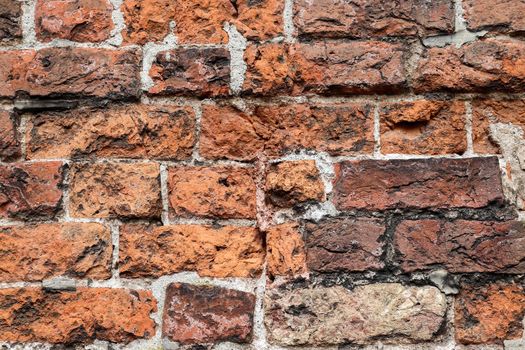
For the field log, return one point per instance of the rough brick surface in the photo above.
(37, 252)
(129, 131)
(418, 183)
(373, 18)
(10, 20)
(345, 245)
(461, 246)
(330, 316)
(193, 71)
(481, 66)
(31, 190)
(286, 253)
(423, 127)
(206, 314)
(85, 72)
(489, 313)
(9, 137)
(115, 315)
(486, 112)
(76, 20)
(291, 183)
(115, 190)
(339, 129)
(503, 16)
(222, 192)
(147, 20)
(330, 68)
(229, 251)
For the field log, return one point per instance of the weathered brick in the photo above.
(9, 137)
(418, 183)
(345, 244)
(481, 66)
(207, 314)
(488, 111)
(461, 245)
(285, 250)
(10, 20)
(330, 316)
(489, 313)
(114, 190)
(423, 127)
(84, 72)
(293, 182)
(37, 252)
(30, 190)
(82, 316)
(76, 20)
(191, 71)
(152, 251)
(214, 192)
(373, 18)
(274, 130)
(261, 19)
(128, 131)
(331, 68)
(502, 16)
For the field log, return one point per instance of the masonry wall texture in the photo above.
(262, 174)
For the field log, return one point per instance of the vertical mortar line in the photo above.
(165, 216)
(468, 128)
(119, 24)
(459, 20)
(65, 191)
(197, 109)
(236, 46)
(114, 226)
(288, 26)
(28, 22)
(22, 133)
(377, 130)
(259, 331)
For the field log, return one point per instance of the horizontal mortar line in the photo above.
(221, 222)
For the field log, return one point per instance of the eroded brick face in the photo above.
(277, 173)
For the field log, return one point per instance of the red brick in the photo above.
(295, 182)
(82, 316)
(37, 252)
(214, 192)
(202, 72)
(345, 245)
(418, 183)
(423, 127)
(76, 20)
(373, 18)
(84, 72)
(481, 66)
(10, 20)
(489, 313)
(274, 130)
(153, 251)
(486, 112)
(461, 245)
(207, 314)
(285, 249)
(331, 68)
(103, 190)
(128, 131)
(30, 190)
(9, 137)
(501, 16)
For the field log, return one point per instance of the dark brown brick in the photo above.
(9, 137)
(30, 190)
(10, 20)
(461, 245)
(345, 245)
(192, 71)
(373, 18)
(207, 314)
(418, 183)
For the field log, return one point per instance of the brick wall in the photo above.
(183, 174)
